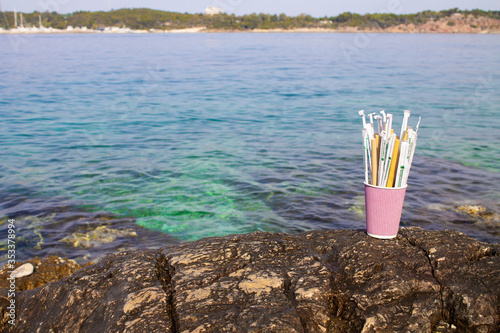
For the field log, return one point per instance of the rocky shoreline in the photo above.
(322, 281)
(455, 24)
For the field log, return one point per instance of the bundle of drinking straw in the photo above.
(387, 157)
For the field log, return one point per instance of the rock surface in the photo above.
(50, 269)
(324, 281)
(457, 23)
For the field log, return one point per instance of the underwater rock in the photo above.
(100, 235)
(476, 212)
(483, 218)
(321, 281)
(358, 206)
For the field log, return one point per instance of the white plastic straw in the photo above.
(367, 134)
(401, 164)
(412, 149)
(366, 155)
(418, 124)
(383, 151)
(389, 123)
(388, 158)
(405, 123)
(412, 142)
(362, 114)
(370, 115)
(379, 122)
(384, 120)
(368, 142)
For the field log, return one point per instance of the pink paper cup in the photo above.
(384, 206)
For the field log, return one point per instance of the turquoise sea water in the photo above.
(179, 137)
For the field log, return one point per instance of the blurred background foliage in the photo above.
(143, 18)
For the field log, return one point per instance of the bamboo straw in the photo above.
(375, 159)
(394, 163)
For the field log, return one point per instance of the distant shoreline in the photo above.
(143, 20)
(53, 31)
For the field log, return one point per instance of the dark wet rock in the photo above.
(50, 269)
(121, 293)
(324, 281)
(469, 276)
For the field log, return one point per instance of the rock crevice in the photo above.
(426, 254)
(164, 272)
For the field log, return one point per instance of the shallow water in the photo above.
(179, 137)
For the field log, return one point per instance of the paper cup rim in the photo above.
(387, 188)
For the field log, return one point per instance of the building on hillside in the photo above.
(212, 10)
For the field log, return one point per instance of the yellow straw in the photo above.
(394, 163)
(374, 160)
